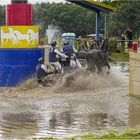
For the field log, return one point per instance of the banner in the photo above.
(19, 37)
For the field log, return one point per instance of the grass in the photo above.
(128, 135)
(119, 56)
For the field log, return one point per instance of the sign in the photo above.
(19, 37)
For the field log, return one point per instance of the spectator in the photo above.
(122, 49)
(129, 34)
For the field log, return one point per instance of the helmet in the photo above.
(53, 43)
(41, 59)
(66, 43)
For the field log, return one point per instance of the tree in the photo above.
(2, 15)
(69, 17)
(127, 15)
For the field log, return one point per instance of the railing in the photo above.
(127, 45)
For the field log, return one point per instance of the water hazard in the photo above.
(96, 104)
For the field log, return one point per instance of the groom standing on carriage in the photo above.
(71, 51)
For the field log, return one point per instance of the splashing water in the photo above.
(91, 103)
(79, 82)
(92, 82)
(76, 82)
(53, 33)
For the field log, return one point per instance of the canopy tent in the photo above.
(96, 7)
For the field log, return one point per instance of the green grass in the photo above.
(119, 56)
(128, 135)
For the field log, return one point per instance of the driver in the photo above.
(42, 71)
(71, 51)
(54, 57)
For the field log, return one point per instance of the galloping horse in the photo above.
(96, 58)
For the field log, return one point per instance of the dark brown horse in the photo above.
(96, 60)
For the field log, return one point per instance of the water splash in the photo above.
(90, 82)
(80, 82)
(53, 33)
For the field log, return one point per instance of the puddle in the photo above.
(66, 114)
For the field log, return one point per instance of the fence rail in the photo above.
(126, 45)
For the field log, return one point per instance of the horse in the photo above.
(8, 36)
(33, 37)
(21, 37)
(96, 60)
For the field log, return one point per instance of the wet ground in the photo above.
(95, 104)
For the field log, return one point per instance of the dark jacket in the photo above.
(52, 55)
(68, 50)
(41, 73)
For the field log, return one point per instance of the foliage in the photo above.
(115, 3)
(119, 56)
(72, 18)
(113, 44)
(2, 15)
(68, 17)
(127, 15)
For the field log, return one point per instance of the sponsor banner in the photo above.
(19, 37)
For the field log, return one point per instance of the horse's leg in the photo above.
(107, 64)
(99, 68)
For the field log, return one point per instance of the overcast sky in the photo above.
(2, 2)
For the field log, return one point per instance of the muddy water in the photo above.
(95, 104)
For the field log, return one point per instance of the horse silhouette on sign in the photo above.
(33, 37)
(8, 36)
(21, 37)
(16, 37)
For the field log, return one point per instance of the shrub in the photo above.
(112, 44)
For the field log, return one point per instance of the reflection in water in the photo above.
(66, 118)
(63, 115)
(53, 123)
(97, 120)
(18, 126)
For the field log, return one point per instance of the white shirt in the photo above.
(45, 69)
(59, 53)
